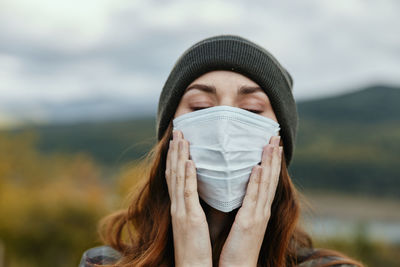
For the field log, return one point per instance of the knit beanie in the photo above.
(232, 53)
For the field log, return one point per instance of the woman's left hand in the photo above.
(244, 241)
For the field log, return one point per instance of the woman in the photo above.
(218, 192)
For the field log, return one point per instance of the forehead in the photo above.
(222, 81)
(224, 76)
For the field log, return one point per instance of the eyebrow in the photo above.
(243, 90)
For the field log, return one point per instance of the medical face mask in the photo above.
(225, 144)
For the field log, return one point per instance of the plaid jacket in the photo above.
(106, 255)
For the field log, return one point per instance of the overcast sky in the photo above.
(76, 58)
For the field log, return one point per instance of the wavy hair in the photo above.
(143, 231)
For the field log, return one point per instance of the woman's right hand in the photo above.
(192, 245)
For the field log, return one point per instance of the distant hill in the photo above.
(375, 104)
(349, 142)
(111, 143)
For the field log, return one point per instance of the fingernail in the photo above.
(175, 134)
(276, 140)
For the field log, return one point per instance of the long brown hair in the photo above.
(143, 231)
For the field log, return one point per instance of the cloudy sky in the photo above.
(63, 60)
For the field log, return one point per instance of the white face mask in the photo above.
(225, 144)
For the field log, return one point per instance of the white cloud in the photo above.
(66, 51)
(56, 24)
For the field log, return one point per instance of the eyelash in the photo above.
(251, 110)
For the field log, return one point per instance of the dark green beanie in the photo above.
(233, 53)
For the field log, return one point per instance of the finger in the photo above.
(250, 199)
(265, 155)
(265, 179)
(275, 171)
(274, 140)
(177, 134)
(192, 202)
(180, 174)
(172, 172)
(173, 162)
(173, 165)
(275, 164)
(168, 169)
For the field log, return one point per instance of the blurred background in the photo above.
(79, 86)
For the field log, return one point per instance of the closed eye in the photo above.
(254, 111)
(198, 108)
(251, 110)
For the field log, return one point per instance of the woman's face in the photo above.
(228, 88)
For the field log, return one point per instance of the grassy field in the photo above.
(353, 206)
(364, 227)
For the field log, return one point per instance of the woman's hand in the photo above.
(192, 245)
(244, 241)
